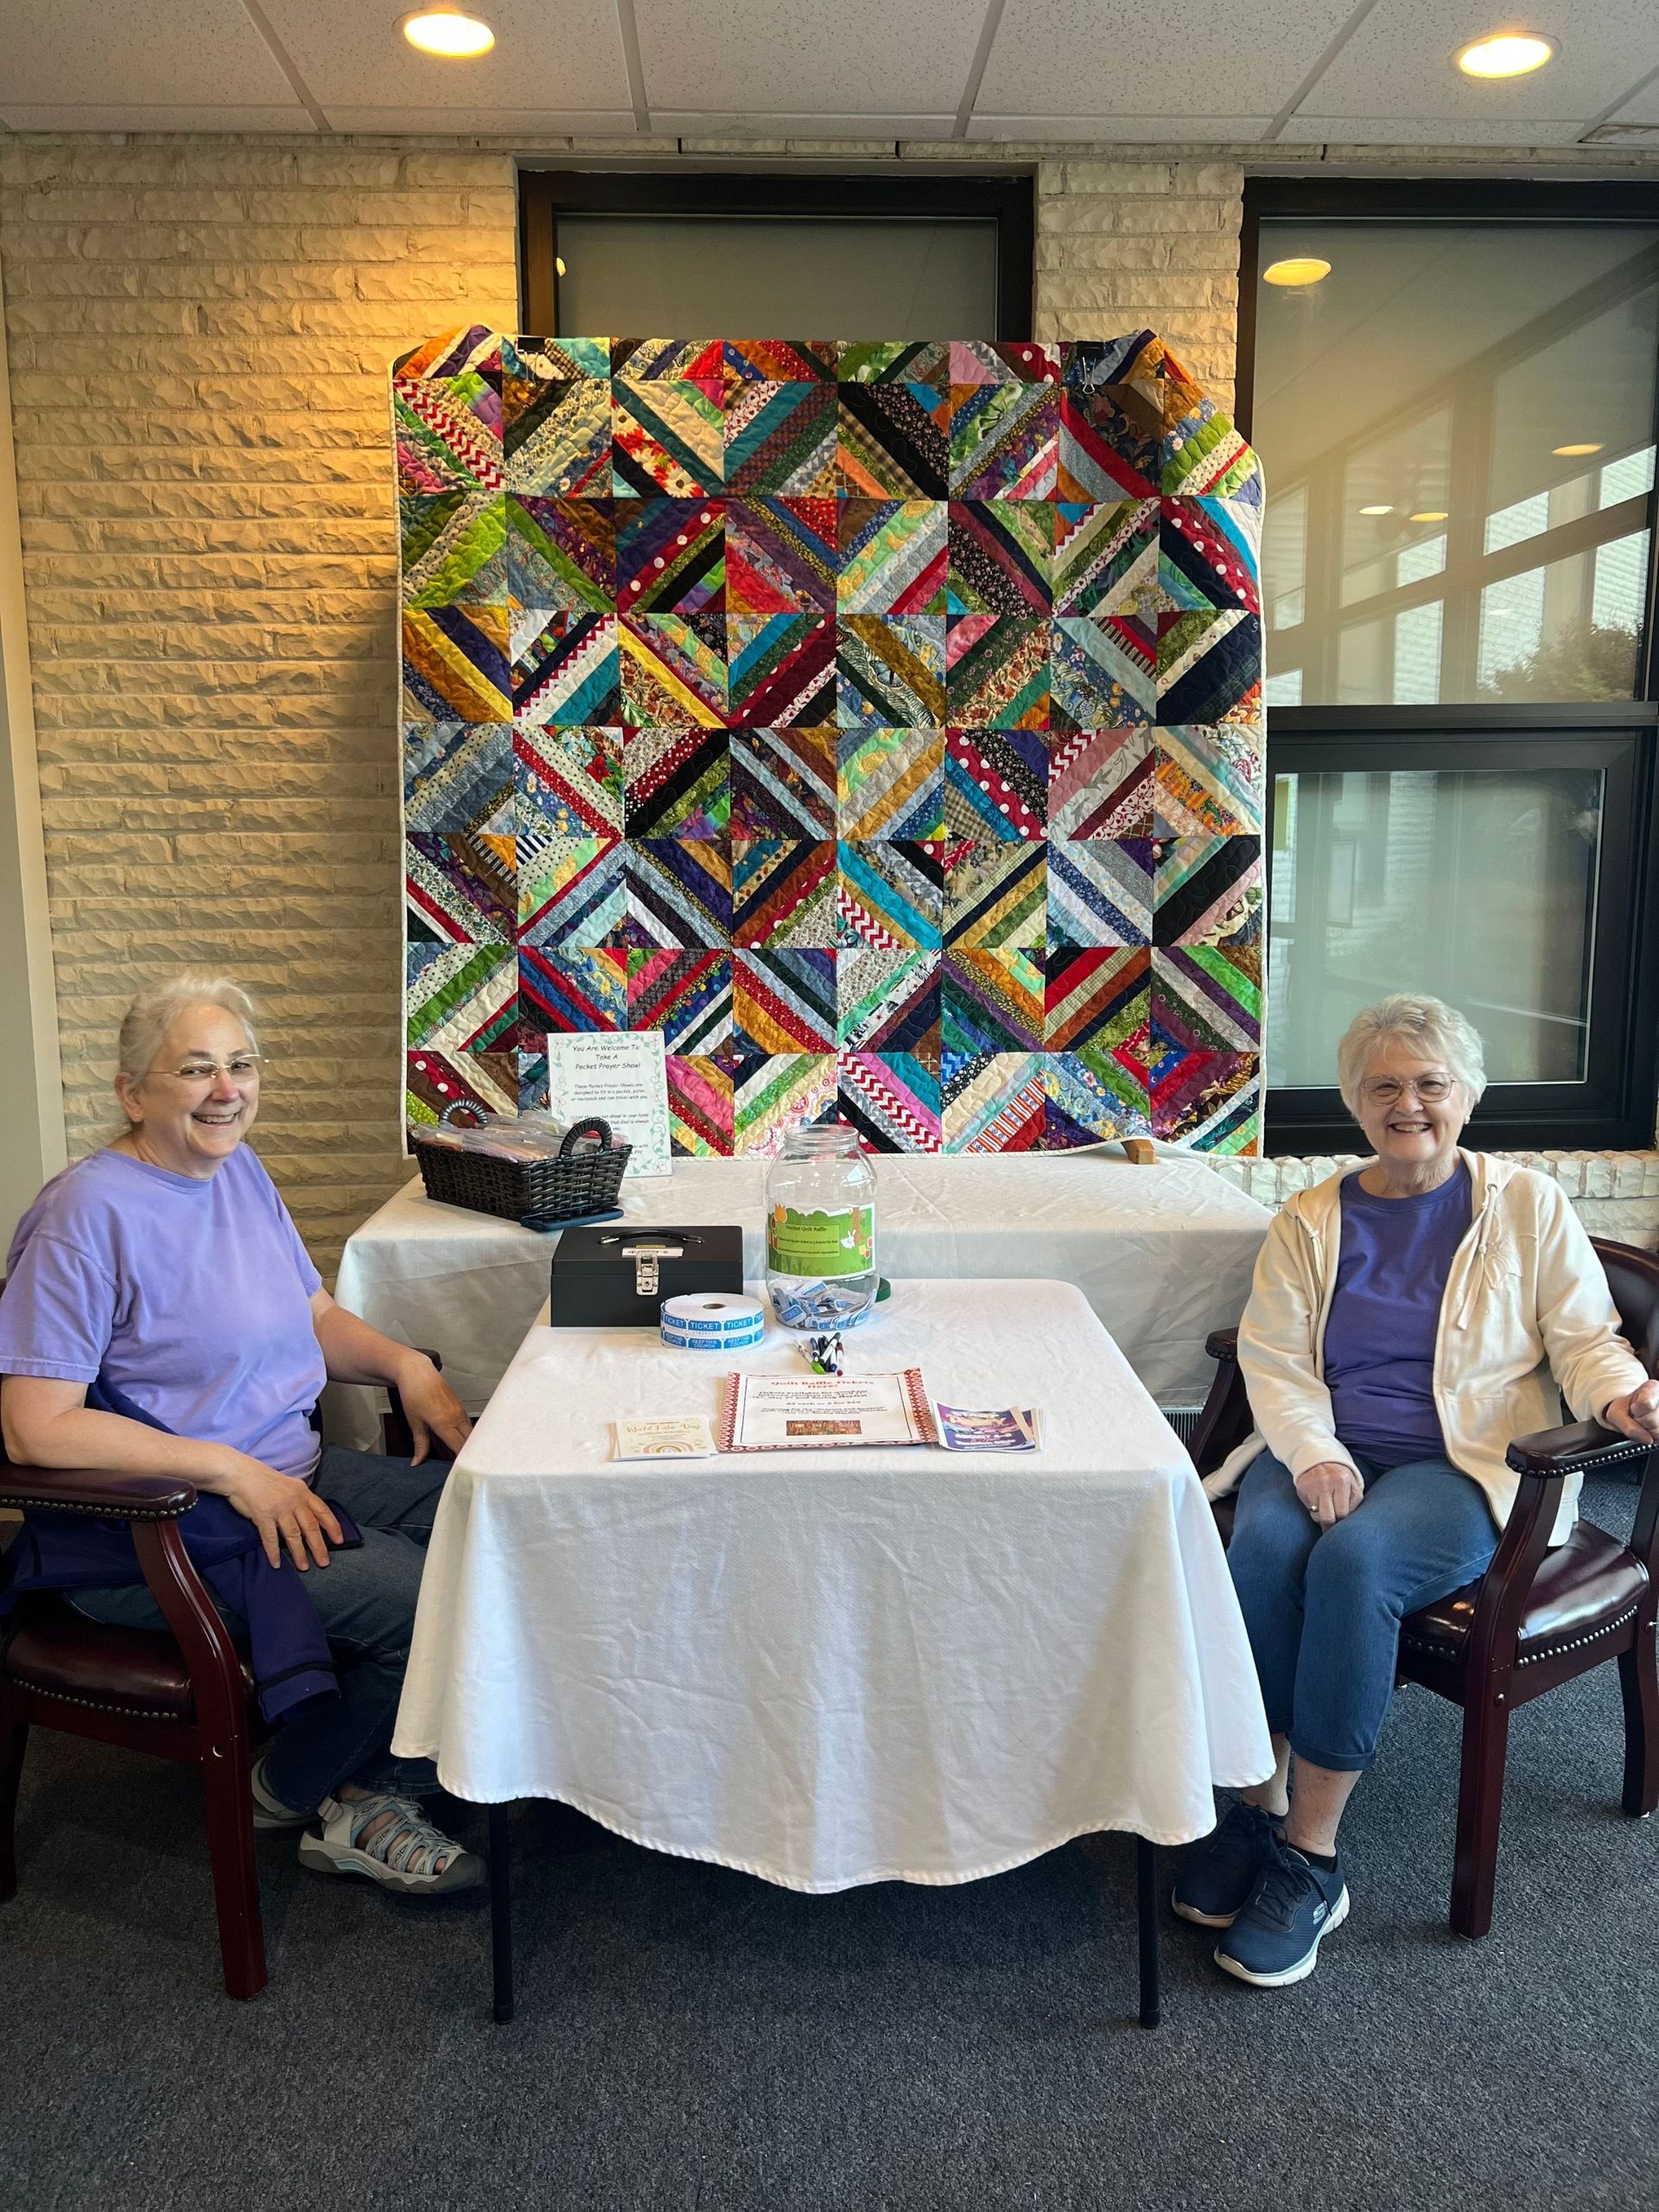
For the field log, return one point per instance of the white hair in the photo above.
(147, 1021)
(1433, 1030)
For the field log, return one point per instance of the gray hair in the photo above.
(146, 1020)
(1436, 1031)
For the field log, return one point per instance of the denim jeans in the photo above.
(1323, 1607)
(367, 1602)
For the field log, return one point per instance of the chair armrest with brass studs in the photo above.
(1577, 1447)
(92, 1489)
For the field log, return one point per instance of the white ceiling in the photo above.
(1354, 70)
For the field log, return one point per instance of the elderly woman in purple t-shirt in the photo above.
(162, 1275)
(1406, 1320)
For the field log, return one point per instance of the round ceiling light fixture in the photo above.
(1430, 514)
(1506, 53)
(450, 33)
(1377, 510)
(1299, 269)
(1575, 453)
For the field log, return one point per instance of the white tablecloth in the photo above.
(1163, 1254)
(832, 1668)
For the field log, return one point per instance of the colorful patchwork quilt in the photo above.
(880, 723)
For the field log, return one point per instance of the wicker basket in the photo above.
(536, 1193)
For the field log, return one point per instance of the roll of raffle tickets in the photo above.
(712, 1320)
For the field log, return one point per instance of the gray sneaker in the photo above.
(1219, 1875)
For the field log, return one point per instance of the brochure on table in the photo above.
(622, 1075)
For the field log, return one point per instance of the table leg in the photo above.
(501, 1911)
(1145, 1887)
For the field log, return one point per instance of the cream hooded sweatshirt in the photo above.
(1526, 1309)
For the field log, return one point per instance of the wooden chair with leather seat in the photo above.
(183, 1695)
(1536, 1618)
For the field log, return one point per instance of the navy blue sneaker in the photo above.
(1220, 1875)
(1276, 1937)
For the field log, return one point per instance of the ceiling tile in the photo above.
(1417, 130)
(74, 115)
(1108, 57)
(700, 122)
(562, 54)
(177, 54)
(1400, 62)
(846, 55)
(488, 122)
(1642, 107)
(1117, 130)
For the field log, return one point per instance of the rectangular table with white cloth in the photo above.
(1163, 1252)
(834, 1667)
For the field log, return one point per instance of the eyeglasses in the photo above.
(1389, 1091)
(243, 1068)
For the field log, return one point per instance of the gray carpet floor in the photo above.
(691, 2040)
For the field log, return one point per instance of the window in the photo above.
(1456, 426)
(774, 256)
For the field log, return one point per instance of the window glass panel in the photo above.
(1459, 417)
(730, 276)
(1476, 885)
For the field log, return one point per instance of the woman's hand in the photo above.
(283, 1508)
(1636, 1415)
(431, 1407)
(1330, 1491)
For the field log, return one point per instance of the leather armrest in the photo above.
(92, 1489)
(1579, 1447)
(1221, 1343)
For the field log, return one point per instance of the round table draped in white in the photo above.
(828, 1668)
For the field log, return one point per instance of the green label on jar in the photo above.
(842, 1243)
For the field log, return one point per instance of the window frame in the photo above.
(777, 195)
(1615, 1106)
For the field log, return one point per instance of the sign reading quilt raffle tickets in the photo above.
(820, 1243)
(620, 1075)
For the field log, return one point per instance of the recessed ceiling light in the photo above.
(1377, 510)
(1572, 452)
(1506, 53)
(448, 32)
(1430, 514)
(1305, 268)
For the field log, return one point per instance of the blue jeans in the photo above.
(366, 1600)
(1324, 1606)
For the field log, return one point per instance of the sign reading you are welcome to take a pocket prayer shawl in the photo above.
(880, 722)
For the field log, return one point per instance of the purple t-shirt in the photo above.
(1385, 1317)
(192, 1297)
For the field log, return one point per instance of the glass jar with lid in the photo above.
(821, 1271)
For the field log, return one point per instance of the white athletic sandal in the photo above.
(269, 1812)
(406, 1854)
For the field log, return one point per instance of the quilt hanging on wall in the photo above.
(880, 723)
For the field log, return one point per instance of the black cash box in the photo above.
(608, 1278)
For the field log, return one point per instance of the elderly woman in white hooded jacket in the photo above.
(1408, 1320)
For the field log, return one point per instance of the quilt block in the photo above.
(882, 723)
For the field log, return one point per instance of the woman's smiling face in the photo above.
(196, 1102)
(1412, 1109)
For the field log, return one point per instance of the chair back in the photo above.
(1633, 1278)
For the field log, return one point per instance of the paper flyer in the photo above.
(620, 1074)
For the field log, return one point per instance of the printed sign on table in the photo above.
(620, 1075)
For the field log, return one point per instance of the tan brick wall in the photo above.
(200, 332)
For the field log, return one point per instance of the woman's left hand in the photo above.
(1635, 1415)
(431, 1407)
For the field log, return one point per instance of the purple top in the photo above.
(192, 1297)
(1380, 1331)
